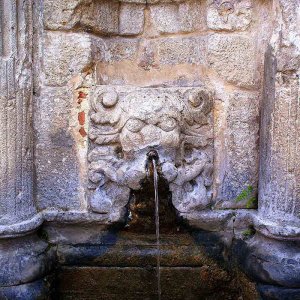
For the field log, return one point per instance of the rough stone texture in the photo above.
(172, 51)
(61, 14)
(233, 57)
(40, 289)
(24, 260)
(142, 62)
(118, 50)
(151, 59)
(239, 169)
(191, 16)
(279, 194)
(170, 17)
(65, 55)
(16, 140)
(270, 262)
(135, 250)
(229, 15)
(165, 18)
(57, 165)
(131, 19)
(164, 1)
(189, 269)
(101, 17)
(139, 282)
(134, 1)
(270, 292)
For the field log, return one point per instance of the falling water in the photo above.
(155, 179)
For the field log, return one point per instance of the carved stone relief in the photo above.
(126, 122)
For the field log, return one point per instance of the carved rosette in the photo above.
(127, 122)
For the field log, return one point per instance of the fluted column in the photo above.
(16, 155)
(25, 259)
(279, 182)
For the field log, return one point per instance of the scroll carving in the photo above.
(127, 122)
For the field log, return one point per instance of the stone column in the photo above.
(279, 187)
(272, 256)
(16, 155)
(23, 256)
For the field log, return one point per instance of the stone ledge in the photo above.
(213, 220)
(221, 220)
(69, 217)
(22, 228)
(39, 289)
(275, 230)
(73, 217)
(24, 259)
(269, 261)
(271, 292)
(139, 250)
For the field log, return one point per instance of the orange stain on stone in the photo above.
(82, 132)
(81, 117)
(81, 96)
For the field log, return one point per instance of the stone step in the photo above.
(141, 283)
(131, 250)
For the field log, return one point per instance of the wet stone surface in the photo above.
(125, 268)
(140, 283)
(141, 209)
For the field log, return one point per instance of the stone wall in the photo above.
(167, 44)
(221, 86)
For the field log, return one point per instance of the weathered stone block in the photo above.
(52, 123)
(172, 51)
(134, 1)
(272, 292)
(101, 17)
(121, 49)
(279, 189)
(165, 18)
(131, 19)
(269, 261)
(61, 14)
(65, 55)
(58, 178)
(39, 289)
(191, 16)
(279, 185)
(241, 142)
(236, 143)
(209, 281)
(230, 15)
(128, 250)
(164, 1)
(24, 260)
(57, 165)
(233, 57)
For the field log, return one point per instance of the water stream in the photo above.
(155, 181)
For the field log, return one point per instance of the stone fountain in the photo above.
(89, 88)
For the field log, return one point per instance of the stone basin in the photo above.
(124, 267)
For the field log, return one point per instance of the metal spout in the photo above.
(152, 157)
(152, 154)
